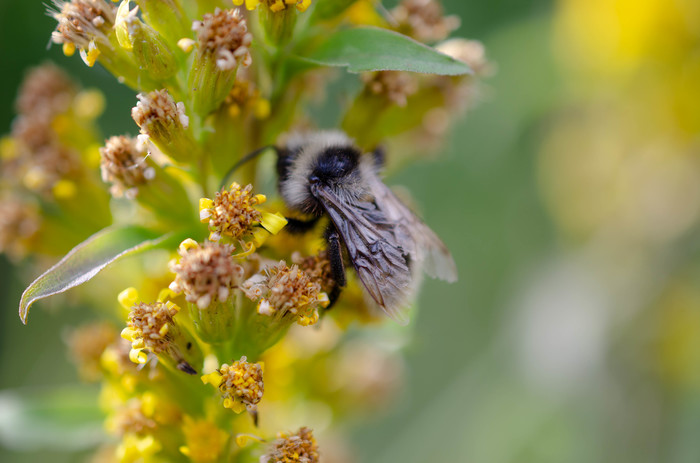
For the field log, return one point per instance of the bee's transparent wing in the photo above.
(423, 245)
(374, 248)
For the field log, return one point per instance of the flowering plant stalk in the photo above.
(230, 346)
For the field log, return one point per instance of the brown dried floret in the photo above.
(424, 20)
(156, 112)
(123, 164)
(130, 419)
(87, 344)
(317, 267)
(225, 35)
(19, 223)
(205, 273)
(396, 86)
(151, 324)
(80, 21)
(45, 89)
(293, 448)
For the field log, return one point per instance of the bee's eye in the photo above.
(314, 179)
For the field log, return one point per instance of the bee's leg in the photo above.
(298, 226)
(335, 255)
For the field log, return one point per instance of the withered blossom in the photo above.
(123, 165)
(205, 273)
(424, 20)
(300, 447)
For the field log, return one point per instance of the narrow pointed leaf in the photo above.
(87, 259)
(374, 49)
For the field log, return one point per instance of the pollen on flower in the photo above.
(424, 20)
(240, 384)
(283, 291)
(205, 273)
(87, 344)
(123, 164)
(81, 21)
(157, 112)
(293, 448)
(149, 326)
(231, 213)
(396, 86)
(225, 35)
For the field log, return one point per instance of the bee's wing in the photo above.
(423, 245)
(374, 248)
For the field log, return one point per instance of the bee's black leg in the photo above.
(297, 226)
(335, 255)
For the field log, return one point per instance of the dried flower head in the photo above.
(157, 114)
(275, 5)
(82, 21)
(224, 34)
(424, 20)
(19, 223)
(150, 325)
(87, 344)
(231, 212)
(205, 273)
(241, 384)
(470, 52)
(283, 291)
(318, 269)
(293, 448)
(47, 90)
(396, 86)
(123, 164)
(131, 419)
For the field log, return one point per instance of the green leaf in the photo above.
(67, 418)
(87, 259)
(374, 49)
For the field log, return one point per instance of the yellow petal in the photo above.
(128, 298)
(273, 222)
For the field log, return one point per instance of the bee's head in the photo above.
(334, 165)
(320, 160)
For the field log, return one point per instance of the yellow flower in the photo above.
(232, 214)
(204, 441)
(241, 384)
(274, 5)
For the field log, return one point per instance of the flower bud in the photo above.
(167, 17)
(152, 327)
(149, 49)
(207, 275)
(165, 123)
(223, 44)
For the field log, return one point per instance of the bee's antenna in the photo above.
(248, 157)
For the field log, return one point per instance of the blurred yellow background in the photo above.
(570, 198)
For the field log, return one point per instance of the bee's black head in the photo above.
(333, 164)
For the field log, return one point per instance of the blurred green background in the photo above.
(570, 198)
